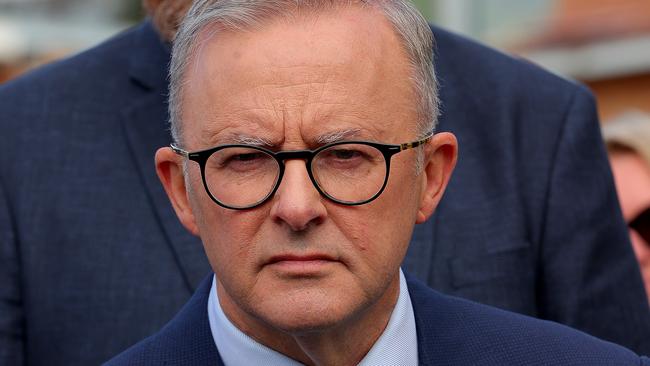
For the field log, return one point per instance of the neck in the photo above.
(346, 343)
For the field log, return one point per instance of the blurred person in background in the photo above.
(93, 258)
(628, 143)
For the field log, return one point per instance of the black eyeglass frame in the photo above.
(387, 150)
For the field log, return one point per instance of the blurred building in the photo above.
(603, 43)
(36, 31)
(606, 44)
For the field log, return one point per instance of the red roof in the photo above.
(576, 22)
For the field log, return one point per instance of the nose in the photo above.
(297, 203)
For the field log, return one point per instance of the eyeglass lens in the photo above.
(350, 173)
(242, 176)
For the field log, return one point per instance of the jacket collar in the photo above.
(188, 338)
(145, 124)
(149, 60)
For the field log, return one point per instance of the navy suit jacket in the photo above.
(93, 258)
(450, 331)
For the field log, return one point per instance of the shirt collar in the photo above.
(397, 345)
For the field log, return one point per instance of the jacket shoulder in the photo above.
(464, 63)
(458, 331)
(185, 340)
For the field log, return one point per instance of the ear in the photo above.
(440, 155)
(169, 167)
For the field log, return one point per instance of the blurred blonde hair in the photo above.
(166, 15)
(630, 131)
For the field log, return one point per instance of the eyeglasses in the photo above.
(350, 173)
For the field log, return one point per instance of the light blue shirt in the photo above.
(397, 345)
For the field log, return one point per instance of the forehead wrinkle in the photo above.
(244, 117)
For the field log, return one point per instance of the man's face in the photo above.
(300, 262)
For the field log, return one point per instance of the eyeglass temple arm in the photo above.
(414, 144)
(179, 151)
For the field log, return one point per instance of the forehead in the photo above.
(311, 74)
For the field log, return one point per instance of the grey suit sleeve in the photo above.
(11, 321)
(590, 278)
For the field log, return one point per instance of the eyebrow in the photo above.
(243, 139)
(251, 140)
(336, 136)
(324, 139)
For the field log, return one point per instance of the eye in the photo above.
(239, 160)
(348, 156)
(244, 160)
(344, 154)
(247, 157)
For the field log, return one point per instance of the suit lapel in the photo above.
(186, 340)
(145, 128)
(191, 333)
(425, 324)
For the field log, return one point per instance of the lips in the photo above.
(300, 258)
(301, 265)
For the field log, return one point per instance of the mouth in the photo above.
(301, 265)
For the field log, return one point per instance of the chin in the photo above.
(303, 325)
(307, 311)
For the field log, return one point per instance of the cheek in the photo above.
(227, 235)
(377, 233)
(396, 211)
(402, 194)
(355, 226)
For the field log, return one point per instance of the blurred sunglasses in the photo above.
(642, 225)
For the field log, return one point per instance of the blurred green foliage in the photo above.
(130, 11)
(425, 6)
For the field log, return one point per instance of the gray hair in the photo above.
(241, 15)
